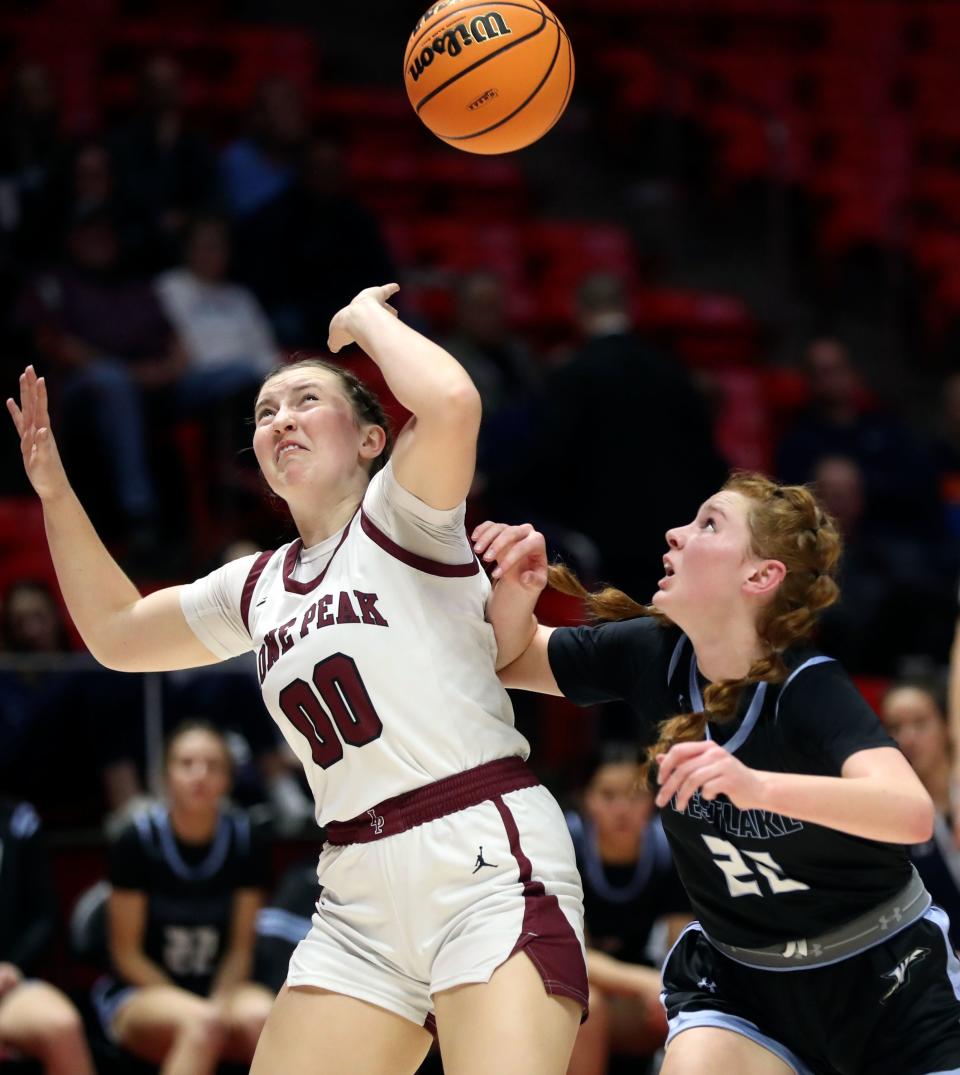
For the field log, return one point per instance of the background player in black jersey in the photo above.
(786, 805)
(629, 884)
(914, 713)
(187, 885)
(36, 1019)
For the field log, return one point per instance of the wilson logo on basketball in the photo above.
(482, 100)
(453, 41)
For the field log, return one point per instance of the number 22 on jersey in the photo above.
(743, 877)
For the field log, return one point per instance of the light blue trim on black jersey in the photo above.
(786, 683)
(736, 741)
(654, 853)
(216, 856)
(675, 657)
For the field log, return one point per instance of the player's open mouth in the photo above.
(286, 447)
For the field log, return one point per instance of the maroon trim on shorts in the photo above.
(430, 1024)
(546, 936)
(290, 584)
(253, 577)
(432, 801)
(411, 559)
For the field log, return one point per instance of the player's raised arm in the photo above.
(435, 455)
(120, 628)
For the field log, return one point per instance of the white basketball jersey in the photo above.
(374, 659)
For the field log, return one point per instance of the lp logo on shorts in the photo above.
(376, 822)
(900, 974)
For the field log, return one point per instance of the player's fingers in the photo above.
(387, 291)
(523, 549)
(16, 415)
(510, 537)
(27, 402)
(43, 411)
(488, 535)
(677, 755)
(481, 530)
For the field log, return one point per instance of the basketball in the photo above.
(489, 77)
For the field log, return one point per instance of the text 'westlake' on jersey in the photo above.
(372, 650)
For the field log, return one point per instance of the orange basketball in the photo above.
(489, 77)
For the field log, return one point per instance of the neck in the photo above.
(728, 651)
(615, 850)
(316, 524)
(192, 827)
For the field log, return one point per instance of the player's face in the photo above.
(305, 431)
(707, 563)
(616, 802)
(198, 772)
(911, 716)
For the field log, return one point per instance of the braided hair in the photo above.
(785, 523)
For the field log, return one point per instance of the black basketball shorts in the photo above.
(893, 1009)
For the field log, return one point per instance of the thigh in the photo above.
(352, 1036)
(148, 1021)
(703, 1049)
(30, 1011)
(531, 1031)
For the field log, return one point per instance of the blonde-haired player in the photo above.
(377, 663)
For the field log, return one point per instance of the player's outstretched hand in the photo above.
(41, 460)
(343, 326)
(519, 551)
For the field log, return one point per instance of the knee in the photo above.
(62, 1034)
(204, 1028)
(247, 1029)
(599, 1018)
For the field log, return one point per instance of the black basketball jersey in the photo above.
(938, 863)
(754, 878)
(189, 888)
(28, 903)
(621, 903)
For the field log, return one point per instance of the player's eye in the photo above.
(709, 523)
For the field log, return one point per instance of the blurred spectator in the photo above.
(629, 883)
(915, 714)
(842, 420)
(259, 167)
(624, 446)
(30, 148)
(165, 170)
(187, 883)
(284, 922)
(87, 711)
(947, 452)
(36, 1019)
(892, 595)
(227, 339)
(307, 252)
(500, 365)
(107, 340)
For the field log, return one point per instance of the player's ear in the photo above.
(373, 442)
(765, 577)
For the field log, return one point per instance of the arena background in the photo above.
(775, 184)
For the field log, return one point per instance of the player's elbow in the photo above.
(920, 819)
(462, 403)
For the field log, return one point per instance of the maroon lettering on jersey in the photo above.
(262, 663)
(345, 613)
(368, 609)
(273, 650)
(283, 635)
(324, 618)
(308, 617)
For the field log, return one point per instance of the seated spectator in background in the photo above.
(187, 883)
(946, 451)
(841, 419)
(893, 599)
(90, 713)
(105, 341)
(36, 1019)
(165, 170)
(499, 364)
(307, 251)
(598, 464)
(914, 713)
(284, 922)
(263, 164)
(30, 151)
(629, 883)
